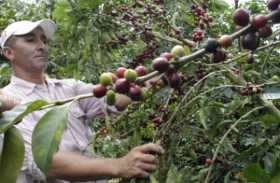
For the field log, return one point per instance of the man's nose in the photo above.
(42, 44)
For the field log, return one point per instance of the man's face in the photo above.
(29, 52)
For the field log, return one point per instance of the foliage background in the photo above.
(93, 37)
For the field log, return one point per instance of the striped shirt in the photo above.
(77, 134)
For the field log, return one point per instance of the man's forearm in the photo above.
(138, 162)
(75, 167)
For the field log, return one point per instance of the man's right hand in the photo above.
(7, 102)
(140, 161)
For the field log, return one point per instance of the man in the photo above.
(24, 44)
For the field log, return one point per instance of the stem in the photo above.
(265, 60)
(195, 55)
(142, 79)
(236, 4)
(192, 56)
(270, 106)
(61, 102)
(167, 38)
(167, 124)
(233, 126)
(267, 103)
(210, 90)
(166, 104)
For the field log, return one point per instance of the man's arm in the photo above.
(74, 167)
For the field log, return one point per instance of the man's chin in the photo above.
(41, 65)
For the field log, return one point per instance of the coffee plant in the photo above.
(200, 77)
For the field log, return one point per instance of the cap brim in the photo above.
(48, 26)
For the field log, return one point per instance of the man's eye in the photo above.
(45, 41)
(29, 39)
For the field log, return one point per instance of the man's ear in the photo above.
(8, 53)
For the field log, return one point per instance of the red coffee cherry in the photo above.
(265, 32)
(259, 21)
(211, 45)
(225, 40)
(273, 4)
(99, 91)
(174, 80)
(141, 70)
(250, 41)
(135, 92)
(120, 72)
(160, 64)
(241, 17)
(219, 56)
(122, 86)
(166, 55)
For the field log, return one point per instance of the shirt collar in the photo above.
(28, 87)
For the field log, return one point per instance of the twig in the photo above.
(233, 126)
(166, 104)
(210, 90)
(266, 59)
(167, 124)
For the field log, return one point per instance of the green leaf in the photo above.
(227, 177)
(255, 173)
(275, 167)
(268, 119)
(275, 179)
(1, 145)
(203, 117)
(174, 175)
(47, 134)
(90, 4)
(15, 115)
(61, 14)
(12, 156)
(153, 179)
(219, 5)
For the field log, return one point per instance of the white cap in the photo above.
(25, 27)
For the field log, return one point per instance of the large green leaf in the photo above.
(46, 136)
(275, 179)
(275, 172)
(1, 145)
(15, 115)
(153, 179)
(255, 173)
(174, 175)
(12, 156)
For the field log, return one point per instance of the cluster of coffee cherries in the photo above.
(202, 21)
(217, 47)
(273, 5)
(121, 87)
(197, 35)
(123, 83)
(259, 27)
(251, 89)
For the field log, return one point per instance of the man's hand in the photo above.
(139, 161)
(7, 102)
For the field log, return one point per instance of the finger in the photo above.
(148, 158)
(151, 148)
(147, 167)
(142, 173)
